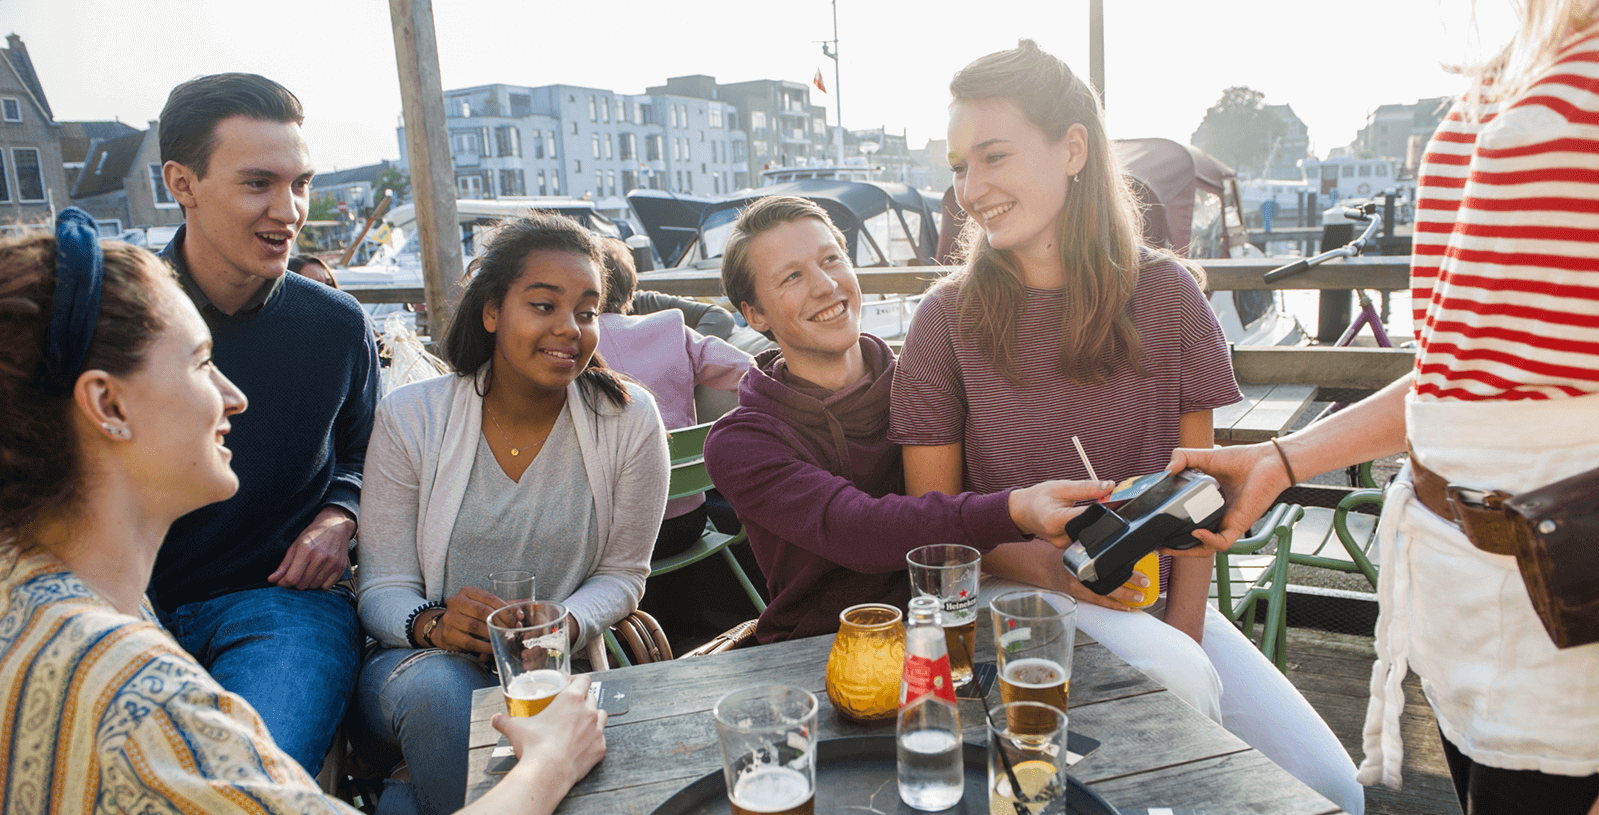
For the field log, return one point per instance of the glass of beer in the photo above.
(768, 739)
(1033, 633)
(949, 572)
(532, 654)
(1026, 768)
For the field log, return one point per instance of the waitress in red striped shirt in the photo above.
(1505, 396)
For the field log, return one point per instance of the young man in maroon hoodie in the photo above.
(805, 458)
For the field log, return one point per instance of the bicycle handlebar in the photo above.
(1348, 250)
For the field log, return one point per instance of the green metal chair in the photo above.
(1355, 532)
(1263, 578)
(686, 447)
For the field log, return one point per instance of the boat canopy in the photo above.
(1167, 176)
(471, 213)
(670, 219)
(884, 223)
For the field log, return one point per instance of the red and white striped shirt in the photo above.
(1506, 269)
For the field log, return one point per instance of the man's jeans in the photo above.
(293, 655)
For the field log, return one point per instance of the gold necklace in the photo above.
(515, 451)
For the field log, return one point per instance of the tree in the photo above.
(392, 179)
(1239, 130)
(324, 208)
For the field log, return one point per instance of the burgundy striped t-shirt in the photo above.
(1018, 435)
(1505, 276)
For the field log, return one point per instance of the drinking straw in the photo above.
(1084, 456)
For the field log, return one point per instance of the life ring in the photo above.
(1363, 189)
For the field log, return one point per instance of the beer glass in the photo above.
(532, 654)
(511, 585)
(1026, 769)
(949, 572)
(768, 739)
(1033, 633)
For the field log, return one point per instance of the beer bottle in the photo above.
(931, 776)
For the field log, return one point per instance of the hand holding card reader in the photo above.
(1156, 511)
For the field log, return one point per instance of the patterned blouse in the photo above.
(105, 713)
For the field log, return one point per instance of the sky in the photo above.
(1166, 60)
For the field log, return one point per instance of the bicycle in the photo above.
(1359, 475)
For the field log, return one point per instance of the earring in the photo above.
(115, 431)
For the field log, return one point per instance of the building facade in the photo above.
(121, 185)
(33, 182)
(568, 140)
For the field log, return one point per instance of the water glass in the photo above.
(511, 585)
(768, 739)
(532, 653)
(950, 572)
(1026, 770)
(1033, 634)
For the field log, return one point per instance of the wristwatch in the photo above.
(427, 630)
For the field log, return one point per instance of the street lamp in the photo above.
(869, 147)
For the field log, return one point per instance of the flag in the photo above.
(818, 81)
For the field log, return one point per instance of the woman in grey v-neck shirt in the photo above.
(534, 457)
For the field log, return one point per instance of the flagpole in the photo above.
(838, 102)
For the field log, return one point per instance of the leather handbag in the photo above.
(1557, 535)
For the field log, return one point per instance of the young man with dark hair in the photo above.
(805, 458)
(248, 585)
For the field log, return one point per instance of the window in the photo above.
(716, 117)
(621, 110)
(1382, 170)
(470, 186)
(820, 126)
(594, 113)
(13, 109)
(690, 187)
(608, 141)
(465, 109)
(629, 146)
(1365, 170)
(682, 115)
(158, 186)
(652, 148)
(543, 190)
(605, 109)
(109, 229)
(30, 178)
(555, 182)
(574, 128)
(703, 170)
(680, 179)
(599, 183)
(538, 144)
(579, 167)
(702, 137)
(646, 113)
(5, 189)
(758, 119)
(629, 181)
(1348, 171)
(671, 111)
(610, 178)
(508, 140)
(549, 136)
(716, 185)
(521, 105)
(676, 150)
(596, 143)
(512, 183)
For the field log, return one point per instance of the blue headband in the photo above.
(75, 310)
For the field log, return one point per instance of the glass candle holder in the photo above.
(864, 667)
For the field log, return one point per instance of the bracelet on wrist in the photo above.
(1287, 468)
(410, 622)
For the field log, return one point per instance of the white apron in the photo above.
(1460, 617)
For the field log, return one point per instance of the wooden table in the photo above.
(1266, 412)
(1156, 751)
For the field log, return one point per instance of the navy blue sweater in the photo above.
(308, 364)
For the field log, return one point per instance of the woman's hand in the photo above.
(568, 737)
(1043, 510)
(464, 626)
(1251, 477)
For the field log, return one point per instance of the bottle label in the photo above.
(926, 677)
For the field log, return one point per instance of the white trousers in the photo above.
(1232, 683)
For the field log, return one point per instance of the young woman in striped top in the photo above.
(1504, 397)
(1063, 324)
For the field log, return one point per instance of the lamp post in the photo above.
(869, 147)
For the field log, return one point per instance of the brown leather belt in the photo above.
(1480, 514)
